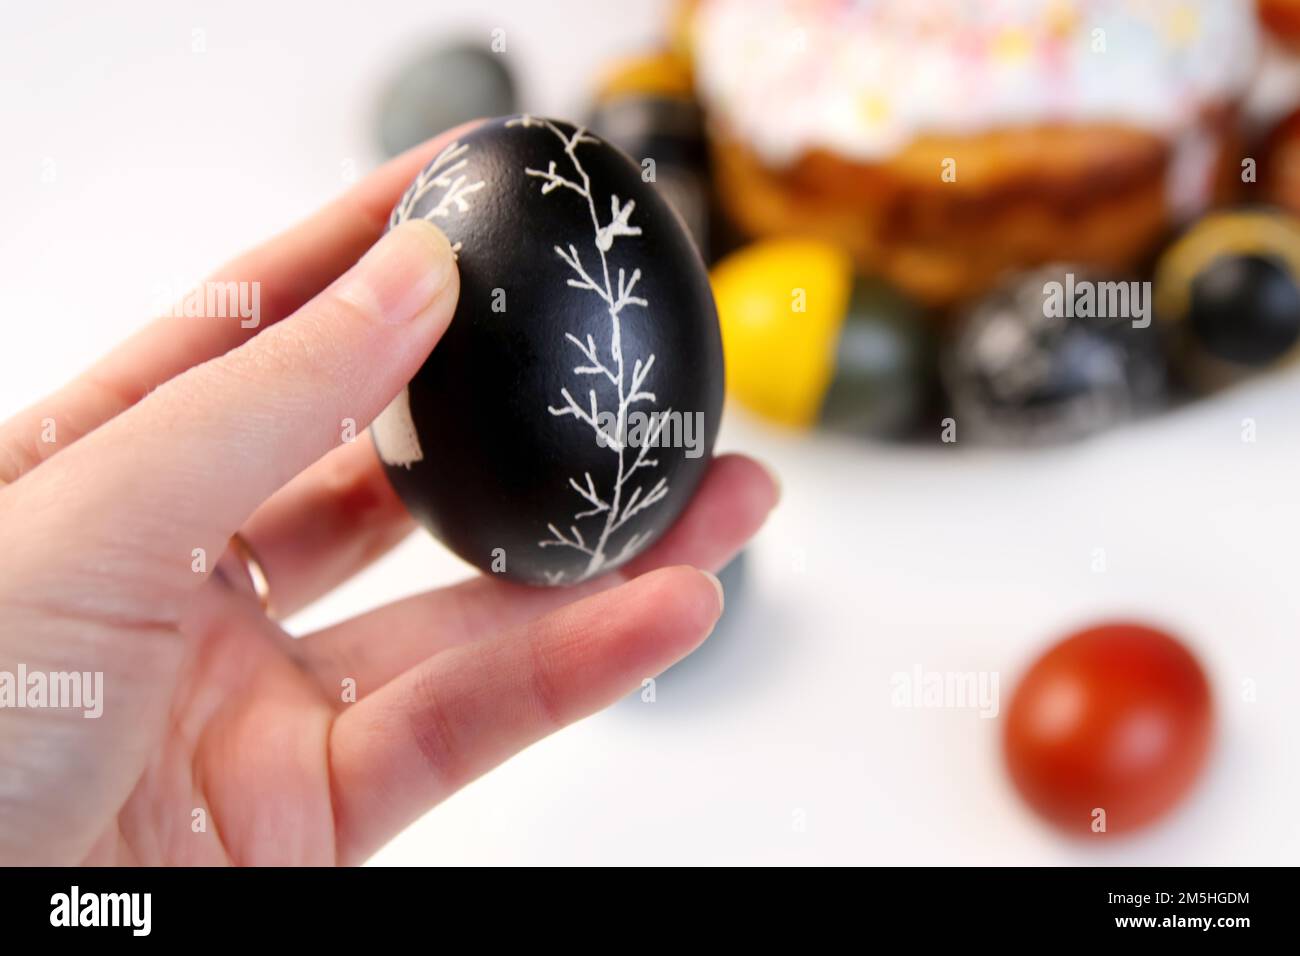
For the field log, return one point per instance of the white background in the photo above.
(167, 161)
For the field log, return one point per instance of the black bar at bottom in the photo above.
(333, 906)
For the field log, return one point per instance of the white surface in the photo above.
(167, 161)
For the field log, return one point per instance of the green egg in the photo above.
(884, 365)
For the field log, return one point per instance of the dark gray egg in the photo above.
(1054, 354)
(569, 412)
(440, 89)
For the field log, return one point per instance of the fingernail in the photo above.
(402, 275)
(717, 586)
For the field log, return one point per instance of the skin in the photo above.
(194, 429)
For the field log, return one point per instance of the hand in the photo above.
(196, 428)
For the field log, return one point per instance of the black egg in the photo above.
(1230, 290)
(1246, 309)
(1037, 361)
(570, 410)
(440, 89)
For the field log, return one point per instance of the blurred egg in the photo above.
(884, 366)
(646, 107)
(1229, 289)
(1053, 355)
(569, 412)
(1109, 729)
(442, 88)
(808, 344)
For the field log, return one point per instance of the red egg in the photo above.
(1109, 729)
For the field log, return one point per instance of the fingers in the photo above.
(398, 752)
(185, 467)
(325, 525)
(731, 505)
(287, 271)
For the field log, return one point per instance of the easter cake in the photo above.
(943, 143)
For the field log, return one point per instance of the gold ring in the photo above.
(254, 575)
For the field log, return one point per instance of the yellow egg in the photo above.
(780, 304)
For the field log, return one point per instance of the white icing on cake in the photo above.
(864, 78)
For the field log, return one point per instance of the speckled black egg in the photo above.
(441, 88)
(1054, 354)
(570, 410)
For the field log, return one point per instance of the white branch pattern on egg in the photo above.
(446, 172)
(616, 291)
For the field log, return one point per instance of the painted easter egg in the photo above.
(1229, 291)
(1109, 729)
(441, 88)
(570, 410)
(808, 343)
(1054, 354)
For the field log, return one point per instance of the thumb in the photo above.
(184, 468)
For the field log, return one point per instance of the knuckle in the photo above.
(544, 686)
(434, 732)
(350, 304)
